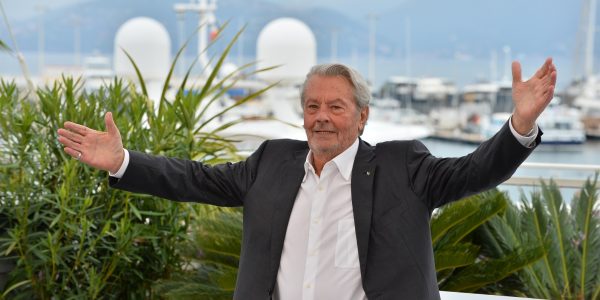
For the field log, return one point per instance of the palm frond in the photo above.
(587, 237)
(477, 275)
(455, 256)
(478, 210)
(561, 252)
(568, 236)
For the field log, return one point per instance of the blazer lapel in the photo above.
(363, 174)
(291, 179)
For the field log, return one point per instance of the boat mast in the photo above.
(589, 47)
(205, 10)
(507, 64)
(372, 19)
(20, 57)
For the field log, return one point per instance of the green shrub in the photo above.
(212, 257)
(68, 233)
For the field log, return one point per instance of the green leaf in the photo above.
(561, 228)
(14, 287)
(454, 256)
(482, 273)
(587, 229)
(457, 220)
(4, 47)
(141, 80)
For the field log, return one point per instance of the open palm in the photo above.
(98, 149)
(532, 96)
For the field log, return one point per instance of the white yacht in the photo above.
(432, 92)
(391, 110)
(97, 71)
(585, 91)
(561, 124)
(484, 107)
(422, 94)
(588, 101)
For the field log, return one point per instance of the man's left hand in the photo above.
(532, 96)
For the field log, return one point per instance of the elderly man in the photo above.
(334, 218)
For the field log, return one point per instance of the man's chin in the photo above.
(319, 148)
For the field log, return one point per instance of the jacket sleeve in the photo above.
(189, 181)
(438, 181)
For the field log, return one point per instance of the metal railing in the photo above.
(561, 182)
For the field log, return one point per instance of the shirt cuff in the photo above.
(123, 167)
(529, 139)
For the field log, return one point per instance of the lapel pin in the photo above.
(368, 173)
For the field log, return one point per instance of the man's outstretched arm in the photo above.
(170, 178)
(443, 180)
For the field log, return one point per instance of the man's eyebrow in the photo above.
(331, 101)
(336, 101)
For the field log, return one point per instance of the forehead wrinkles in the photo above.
(329, 88)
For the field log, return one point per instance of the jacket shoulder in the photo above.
(398, 145)
(286, 145)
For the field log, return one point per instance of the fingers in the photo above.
(550, 93)
(544, 80)
(516, 72)
(70, 143)
(111, 127)
(70, 135)
(73, 153)
(549, 74)
(545, 69)
(549, 82)
(549, 79)
(553, 75)
(82, 130)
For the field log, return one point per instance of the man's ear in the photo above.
(364, 116)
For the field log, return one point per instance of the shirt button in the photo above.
(317, 220)
(320, 188)
(307, 285)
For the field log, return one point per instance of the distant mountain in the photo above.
(443, 34)
(99, 21)
(437, 27)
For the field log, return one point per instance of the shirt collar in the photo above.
(344, 161)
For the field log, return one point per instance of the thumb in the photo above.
(111, 127)
(516, 72)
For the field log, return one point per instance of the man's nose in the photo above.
(323, 114)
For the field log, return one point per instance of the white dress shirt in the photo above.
(320, 254)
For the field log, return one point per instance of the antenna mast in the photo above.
(205, 10)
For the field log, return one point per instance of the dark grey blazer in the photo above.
(395, 187)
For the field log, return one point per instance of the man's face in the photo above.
(331, 117)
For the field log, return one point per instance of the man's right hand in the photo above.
(98, 149)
